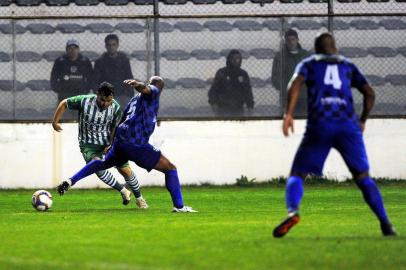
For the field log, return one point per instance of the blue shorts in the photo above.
(145, 156)
(319, 138)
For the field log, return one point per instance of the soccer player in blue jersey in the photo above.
(132, 142)
(331, 122)
(98, 117)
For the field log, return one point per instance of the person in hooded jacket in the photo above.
(283, 68)
(231, 88)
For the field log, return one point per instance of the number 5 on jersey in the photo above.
(331, 77)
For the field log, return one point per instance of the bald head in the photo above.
(157, 81)
(325, 44)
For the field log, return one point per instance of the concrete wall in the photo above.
(33, 156)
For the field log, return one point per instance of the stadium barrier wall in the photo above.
(216, 152)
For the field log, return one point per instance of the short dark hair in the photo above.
(106, 89)
(319, 45)
(290, 32)
(111, 37)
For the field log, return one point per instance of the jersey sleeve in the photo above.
(302, 69)
(357, 78)
(74, 102)
(154, 92)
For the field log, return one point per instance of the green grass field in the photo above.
(90, 229)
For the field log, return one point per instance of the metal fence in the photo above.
(192, 44)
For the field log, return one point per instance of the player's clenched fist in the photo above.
(131, 82)
(57, 126)
(287, 124)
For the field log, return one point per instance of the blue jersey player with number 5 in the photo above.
(332, 123)
(131, 142)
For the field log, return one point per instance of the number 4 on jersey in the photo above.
(331, 77)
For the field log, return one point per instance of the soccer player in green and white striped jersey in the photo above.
(99, 116)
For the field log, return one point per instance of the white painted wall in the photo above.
(204, 151)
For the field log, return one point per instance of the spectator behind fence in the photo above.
(72, 72)
(284, 65)
(231, 88)
(114, 67)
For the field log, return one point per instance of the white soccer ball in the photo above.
(41, 200)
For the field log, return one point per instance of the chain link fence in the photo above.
(195, 38)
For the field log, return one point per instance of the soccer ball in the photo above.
(41, 200)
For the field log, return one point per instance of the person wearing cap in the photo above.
(114, 67)
(71, 73)
(283, 68)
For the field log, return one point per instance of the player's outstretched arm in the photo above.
(368, 103)
(139, 86)
(60, 110)
(295, 85)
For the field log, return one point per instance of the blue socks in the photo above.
(90, 168)
(294, 193)
(373, 198)
(173, 186)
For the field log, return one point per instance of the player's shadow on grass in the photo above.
(103, 210)
(92, 210)
(340, 239)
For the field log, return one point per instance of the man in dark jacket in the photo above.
(72, 72)
(283, 68)
(231, 88)
(114, 67)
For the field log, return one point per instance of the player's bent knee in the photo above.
(359, 176)
(167, 165)
(164, 164)
(125, 171)
(171, 166)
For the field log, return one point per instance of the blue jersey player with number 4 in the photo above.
(332, 123)
(131, 142)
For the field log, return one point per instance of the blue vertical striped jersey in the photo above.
(140, 117)
(329, 79)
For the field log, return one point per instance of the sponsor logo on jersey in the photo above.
(75, 77)
(333, 100)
